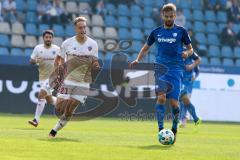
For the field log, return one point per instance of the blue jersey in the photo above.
(170, 46)
(187, 75)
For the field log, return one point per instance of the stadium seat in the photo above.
(223, 3)
(20, 5)
(236, 52)
(69, 30)
(30, 41)
(123, 10)
(188, 25)
(4, 40)
(227, 52)
(213, 39)
(236, 27)
(17, 28)
(184, 4)
(5, 27)
(111, 9)
(135, 10)
(17, 52)
(147, 11)
(228, 62)
(110, 32)
(215, 61)
(32, 5)
(221, 26)
(196, 4)
(199, 27)
(31, 17)
(40, 40)
(172, 1)
(89, 22)
(97, 32)
(84, 8)
(151, 58)
(17, 41)
(136, 46)
(210, 16)
(71, 7)
(136, 34)
(204, 61)
(214, 51)
(148, 23)
(237, 63)
(28, 51)
(31, 28)
(42, 27)
(123, 21)
(58, 30)
(159, 3)
(100, 44)
(136, 22)
(147, 32)
(110, 21)
(147, 3)
(222, 16)
(212, 27)
(57, 41)
(201, 38)
(123, 33)
(4, 51)
(198, 15)
(188, 14)
(89, 33)
(97, 20)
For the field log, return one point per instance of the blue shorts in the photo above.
(187, 86)
(169, 83)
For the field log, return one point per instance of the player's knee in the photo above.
(161, 99)
(185, 100)
(42, 94)
(174, 103)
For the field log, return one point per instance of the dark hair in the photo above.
(48, 31)
(169, 7)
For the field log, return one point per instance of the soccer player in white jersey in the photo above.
(80, 55)
(44, 55)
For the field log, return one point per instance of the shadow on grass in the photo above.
(59, 139)
(152, 147)
(31, 128)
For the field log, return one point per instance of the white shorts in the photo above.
(71, 91)
(44, 85)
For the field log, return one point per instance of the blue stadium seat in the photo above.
(172, 1)
(147, 32)
(236, 52)
(42, 27)
(188, 14)
(201, 38)
(159, 3)
(222, 16)
(28, 52)
(32, 5)
(204, 61)
(147, 3)
(228, 62)
(16, 52)
(198, 15)
(215, 61)
(184, 4)
(110, 21)
(4, 51)
(69, 30)
(123, 33)
(214, 51)
(31, 28)
(227, 52)
(123, 21)
(123, 10)
(136, 34)
(151, 58)
(236, 27)
(135, 10)
(148, 23)
(4, 40)
(196, 4)
(136, 46)
(20, 5)
(212, 27)
(31, 17)
(147, 11)
(58, 30)
(111, 9)
(136, 22)
(221, 26)
(237, 63)
(210, 16)
(213, 39)
(188, 25)
(223, 3)
(199, 27)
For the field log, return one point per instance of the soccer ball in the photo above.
(166, 137)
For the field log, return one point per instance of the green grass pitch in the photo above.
(114, 139)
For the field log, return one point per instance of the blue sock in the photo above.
(183, 111)
(175, 114)
(191, 110)
(160, 112)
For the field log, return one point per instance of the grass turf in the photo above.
(114, 139)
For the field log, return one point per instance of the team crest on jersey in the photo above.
(74, 48)
(174, 34)
(89, 48)
(54, 52)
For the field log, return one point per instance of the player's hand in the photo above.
(184, 54)
(193, 78)
(39, 60)
(133, 63)
(189, 67)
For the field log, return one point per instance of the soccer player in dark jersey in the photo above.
(170, 39)
(189, 75)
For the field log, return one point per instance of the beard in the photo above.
(169, 23)
(47, 43)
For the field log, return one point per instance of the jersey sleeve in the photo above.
(95, 50)
(34, 53)
(186, 38)
(196, 70)
(195, 56)
(62, 51)
(151, 39)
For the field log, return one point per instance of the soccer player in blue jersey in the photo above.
(169, 39)
(189, 75)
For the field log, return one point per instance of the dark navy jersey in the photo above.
(170, 46)
(189, 61)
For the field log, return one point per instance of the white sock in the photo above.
(40, 108)
(54, 100)
(60, 124)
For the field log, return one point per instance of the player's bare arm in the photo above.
(188, 52)
(142, 53)
(35, 61)
(193, 65)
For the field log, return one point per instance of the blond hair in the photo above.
(169, 7)
(79, 19)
